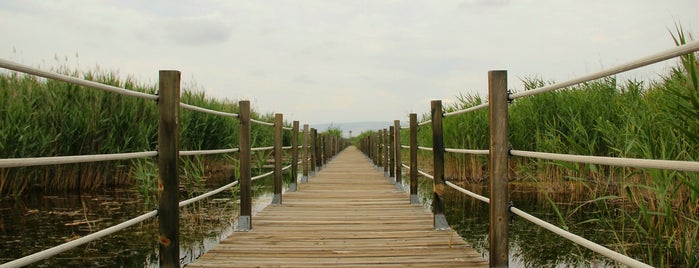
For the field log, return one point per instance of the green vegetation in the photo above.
(49, 118)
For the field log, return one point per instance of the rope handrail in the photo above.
(210, 193)
(614, 161)
(286, 167)
(287, 128)
(204, 110)
(262, 148)
(425, 174)
(425, 148)
(466, 151)
(205, 152)
(424, 123)
(26, 260)
(287, 147)
(467, 110)
(467, 192)
(580, 240)
(261, 122)
(405, 146)
(261, 176)
(74, 80)
(677, 51)
(72, 159)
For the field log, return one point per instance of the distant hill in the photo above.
(355, 127)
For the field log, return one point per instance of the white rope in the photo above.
(580, 241)
(470, 109)
(205, 152)
(648, 60)
(424, 123)
(467, 151)
(204, 110)
(286, 167)
(287, 128)
(467, 192)
(287, 147)
(425, 148)
(58, 160)
(262, 176)
(73, 80)
(425, 174)
(614, 161)
(200, 197)
(405, 166)
(261, 122)
(262, 148)
(26, 260)
(405, 146)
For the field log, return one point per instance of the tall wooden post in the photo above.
(440, 221)
(278, 128)
(168, 158)
(413, 160)
(386, 164)
(245, 218)
(379, 155)
(499, 153)
(304, 178)
(314, 151)
(294, 156)
(391, 154)
(397, 151)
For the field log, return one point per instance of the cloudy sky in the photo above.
(326, 61)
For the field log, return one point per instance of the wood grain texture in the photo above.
(348, 215)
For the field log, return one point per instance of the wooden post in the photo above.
(392, 154)
(304, 178)
(440, 221)
(379, 155)
(314, 152)
(499, 153)
(413, 160)
(278, 128)
(245, 219)
(168, 158)
(294, 156)
(384, 140)
(397, 151)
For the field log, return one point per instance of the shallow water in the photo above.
(40, 222)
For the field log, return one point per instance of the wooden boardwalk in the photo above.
(348, 215)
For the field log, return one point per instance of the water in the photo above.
(39, 222)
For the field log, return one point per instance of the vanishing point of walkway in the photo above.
(348, 215)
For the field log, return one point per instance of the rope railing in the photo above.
(74, 80)
(262, 176)
(614, 161)
(262, 148)
(208, 194)
(466, 151)
(209, 111)
(208, 152)
(261, 122)
(59, 160)
(422, 148)
(467, 110)
(689, 47)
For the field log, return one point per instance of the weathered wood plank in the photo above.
(348, 215)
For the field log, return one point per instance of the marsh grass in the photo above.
(50, 118)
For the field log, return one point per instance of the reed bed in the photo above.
(49, 118)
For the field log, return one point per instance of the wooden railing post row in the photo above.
(294, 156)
(244, 146)
(168, 158)
(392, 155)
(379, 154)
(413, 160)
(498, 98)
(386, 159)
(278, 152)
(397, 151)
(323, 153)
(304, 178)
(440, 221)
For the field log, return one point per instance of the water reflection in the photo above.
(37, 222)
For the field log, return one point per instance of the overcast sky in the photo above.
(342, 61)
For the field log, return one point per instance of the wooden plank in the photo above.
(348, 215)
